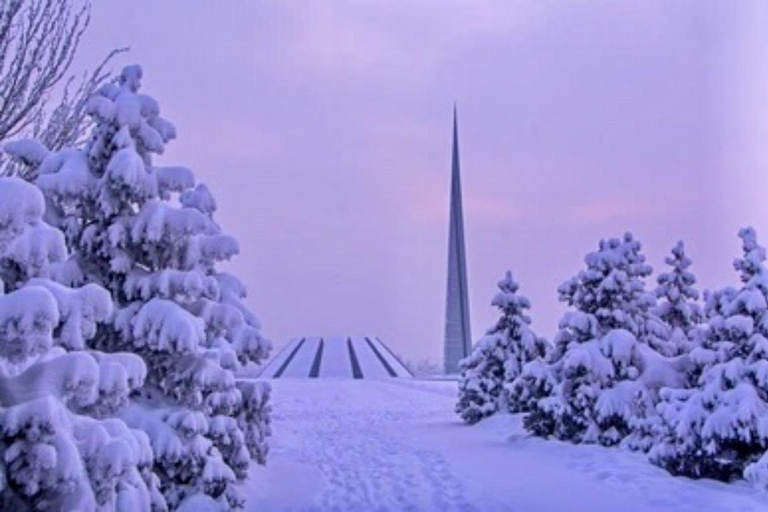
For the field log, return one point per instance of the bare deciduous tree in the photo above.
(38, 41)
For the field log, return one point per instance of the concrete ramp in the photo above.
(336, 357)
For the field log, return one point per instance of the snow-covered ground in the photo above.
(364, 445)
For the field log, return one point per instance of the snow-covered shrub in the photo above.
(677, 300)
(499, 357)
(719, 428)
(604, 370)
(59, 449)
(425, 367)
(147, 234)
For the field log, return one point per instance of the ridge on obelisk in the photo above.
(458, 337)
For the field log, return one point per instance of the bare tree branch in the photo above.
(68, 124)
(38, 41)
(41, 38)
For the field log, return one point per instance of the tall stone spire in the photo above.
(458, 338)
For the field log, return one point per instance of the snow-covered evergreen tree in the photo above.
(146, 233)
(719, 429)
(604, 369)
(482, 379)
(708, 347)
(677, 300)
(499, 357)
(59, 447)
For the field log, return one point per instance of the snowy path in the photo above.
(344, 445)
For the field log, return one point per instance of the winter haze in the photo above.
(324, 132)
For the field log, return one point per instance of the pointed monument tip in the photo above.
(455, 119)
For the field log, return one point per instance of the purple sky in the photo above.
(323, 128)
